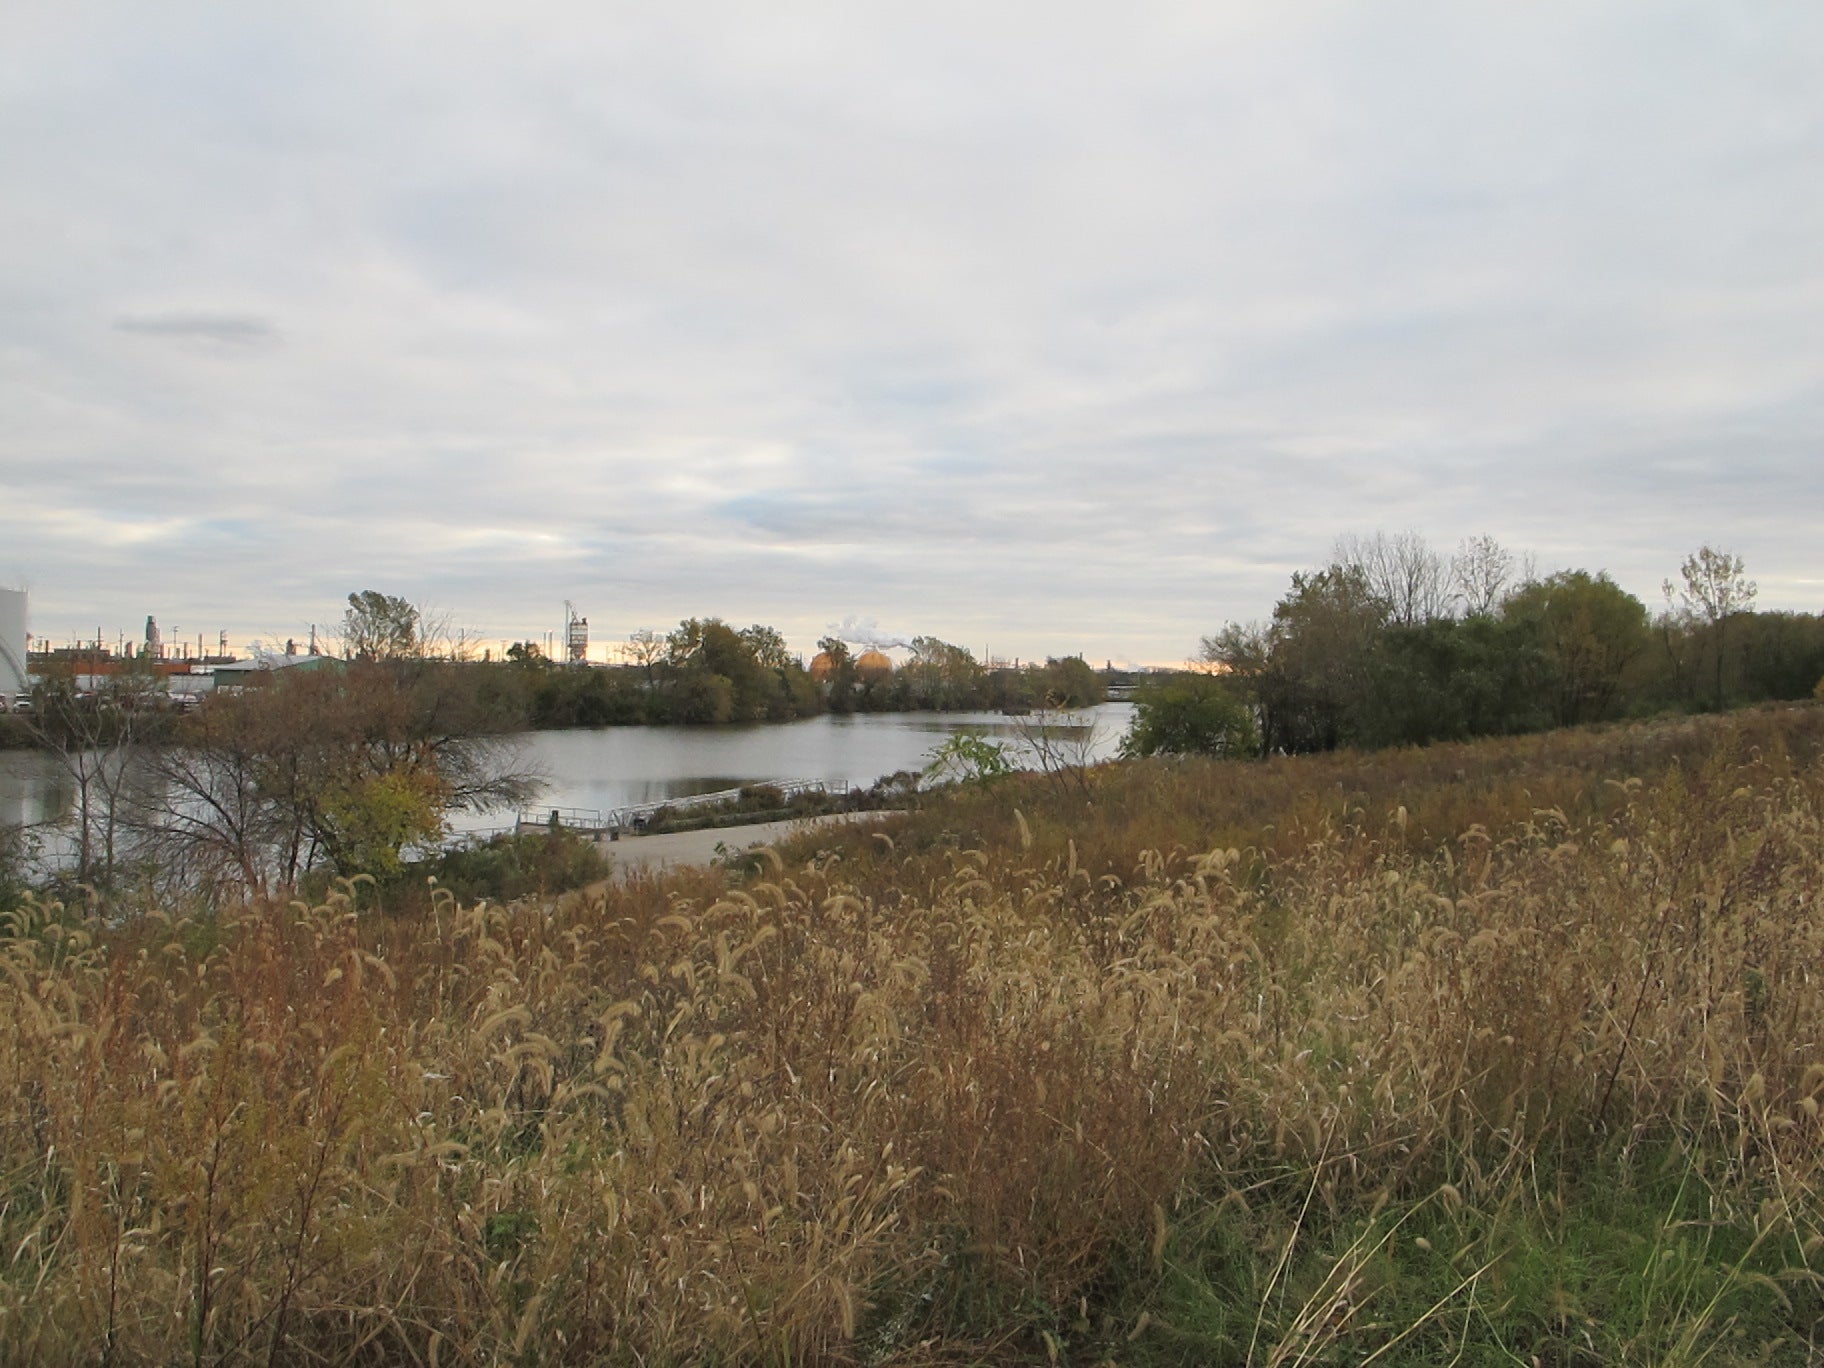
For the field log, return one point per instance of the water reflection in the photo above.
(615, 767)
(34, 789)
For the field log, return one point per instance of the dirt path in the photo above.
(677, 848)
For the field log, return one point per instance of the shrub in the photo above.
(503, 868)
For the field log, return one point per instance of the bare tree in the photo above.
(1482, 572)
(328, 767)
(215, 815)
(1403, 572)
(1061, 745)
(95, 734)
(645, 648)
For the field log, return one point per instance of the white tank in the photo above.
(12, 644)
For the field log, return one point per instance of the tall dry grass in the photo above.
(962, 1090)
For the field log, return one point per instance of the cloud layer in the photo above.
(1041, 329)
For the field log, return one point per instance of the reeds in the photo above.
(1318, 1061)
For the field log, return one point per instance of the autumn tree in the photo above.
(940, 676)
(1713, 587)
(379, 626)
(1070, 682)
(346, 769)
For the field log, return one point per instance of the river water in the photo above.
(614, 767)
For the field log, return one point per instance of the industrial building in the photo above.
(12, 645)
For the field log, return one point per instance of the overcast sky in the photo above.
(1038, 327)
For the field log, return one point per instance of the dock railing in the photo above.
(636, 817)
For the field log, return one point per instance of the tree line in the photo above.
(706, 672)
(347, 766)
(1391, 643)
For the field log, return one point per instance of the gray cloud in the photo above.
(1045, 330)
(226, 330)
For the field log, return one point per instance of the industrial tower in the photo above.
(576, 635)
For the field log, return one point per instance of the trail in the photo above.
(678, 848)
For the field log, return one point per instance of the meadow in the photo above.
(1493, 1053)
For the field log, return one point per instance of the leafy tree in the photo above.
(841, 682)
(369, 820)
(1782, 653)
(941, 677)
(1714, 587)
(1190, 714)
(379, 626)
(970, 759)
(592, 697)
(799, 692)
(1590, 631)
(1448, 680)
(766, 645)
(699, 696)
(1013, 691)
(1069, 682)
(684, 643)
(1306, 670)
(711, 647)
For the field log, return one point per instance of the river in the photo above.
(614, 767)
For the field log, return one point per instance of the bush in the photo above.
(1190, 714)
(503, 868)
(17, 848)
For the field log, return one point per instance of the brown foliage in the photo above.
(911, 1089)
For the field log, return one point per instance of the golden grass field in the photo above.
(1495, 1053)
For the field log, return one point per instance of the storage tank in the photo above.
(874, 665)
(12, 644)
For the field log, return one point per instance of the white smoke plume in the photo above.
(867, 632)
